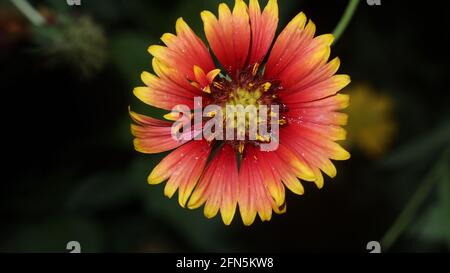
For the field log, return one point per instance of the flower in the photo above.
(371, 127)
(297, 77)
(76, 41)
(13, 27)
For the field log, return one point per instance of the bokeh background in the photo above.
(70, 171)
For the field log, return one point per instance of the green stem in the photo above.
(408, 213)
(345, 19)
(31, 13)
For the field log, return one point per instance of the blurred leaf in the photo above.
(53, 236)
(122, 133)
(101, 191)
(78, 42)
(444, 195)
(190, 11)
(202, 233)
(58, 5)
(136, 232)
(434, 224)
(109, 189)
(129, 54)
(103, 10)
(420, 147)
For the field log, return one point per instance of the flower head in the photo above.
(372, 126)
(76, 41)
(13, 27)
(296, 88)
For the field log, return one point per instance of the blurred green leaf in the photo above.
(444, 194)
(78, 42)
(129, 54)
(58, 5)
(202, 233)
(136, 232)
(434, 224)
(53, 236)
(420, 147)
(122, 133)
(104, 190)
(109, 189)
(190, 11)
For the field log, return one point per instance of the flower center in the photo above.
(244, 97)
(247, 100)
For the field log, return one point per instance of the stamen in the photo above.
(282, 122)
(262, 138)
(218, 85)
(266, 86)
(211, 114)
(255, 69)
(207, 89)
(241, 147)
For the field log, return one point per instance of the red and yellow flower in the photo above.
(297, 76)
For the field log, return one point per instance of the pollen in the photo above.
(244, 97)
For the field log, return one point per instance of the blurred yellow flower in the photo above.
(371, 126)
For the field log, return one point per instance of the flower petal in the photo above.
(315, 140)
(152, 136)
(328, 104)
(271, 178)
(319, 113)
(183, 51)
(318, 75)
(182, 168)
(263, 28)
(315, 149)
(310, 61)
(323, 89)
(289, 46)
(229, 35)
(167, 89)
(286, 171)
(254, 196)
(218, 186)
